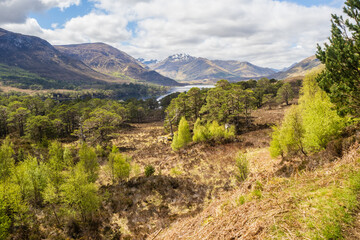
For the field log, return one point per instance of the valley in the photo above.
(108, 132)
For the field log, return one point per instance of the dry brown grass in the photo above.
(284, 208)
(208, 169)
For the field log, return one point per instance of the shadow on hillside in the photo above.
(150, 203)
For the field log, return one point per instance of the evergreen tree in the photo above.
(39, 127)
(341, 77)
(183, 136)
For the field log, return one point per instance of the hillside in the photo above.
(38, 57)
(299, 69)
(185, 68)
(111, 61)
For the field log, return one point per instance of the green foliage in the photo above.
(309, 126)
(89, 162)
(219, 133)
(17, 119)
(149, 170)
(276, 146)
(320, 122)
(176, 171)
(80, 194)
(183, 136)
(340, 78)
(226, 103)
(3, 121)
(100, 123)
(7, 162)
(285, 93)
(31, 177)
(13, 210)
(289, 139)
(19, 78)
(118, 165)
(242, 167)
(212, 131)
(55, 166)
(5, 222)
(39, 128)
(201, 133)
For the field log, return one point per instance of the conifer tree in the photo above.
(183, 136)
(341, 57)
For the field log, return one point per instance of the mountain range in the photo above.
(185, 68)
(111, 61)
(28, 61)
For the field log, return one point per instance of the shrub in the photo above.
(219, 133)
(201, 133)
(183, 136)
(119, 165)
(242, 167)
(149, 170)
(309, 126)
(88, 160)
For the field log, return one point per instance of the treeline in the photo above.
(229, 103)
(91, 119)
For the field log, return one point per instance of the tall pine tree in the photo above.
(341, 77)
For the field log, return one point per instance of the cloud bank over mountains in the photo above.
(265, 32)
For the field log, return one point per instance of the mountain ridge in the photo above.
(298, 69)
(38, 56)
(185, 68)
(112, 61)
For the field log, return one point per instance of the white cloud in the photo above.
(264, 32)
(62, 4)
(16, 11)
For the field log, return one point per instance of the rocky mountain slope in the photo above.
(298, 69)
(111, 61)
(185, 68)
(39, 57)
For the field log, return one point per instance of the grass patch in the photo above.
(320, 204)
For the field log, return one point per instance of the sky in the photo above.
(268, 33)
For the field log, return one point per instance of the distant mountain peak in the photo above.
(180, 57)
(183, 67)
